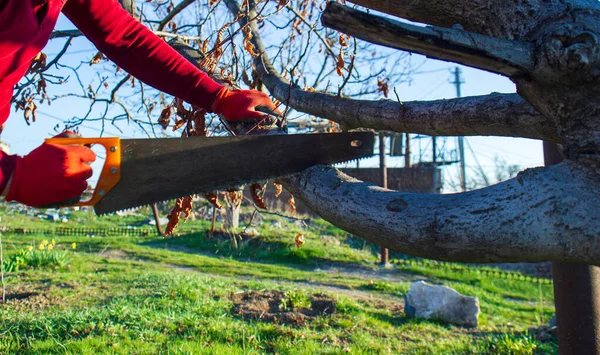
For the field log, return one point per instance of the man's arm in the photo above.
(136, 49)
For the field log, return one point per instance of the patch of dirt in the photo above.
(114, 254)
(25, 299)
(266, 306)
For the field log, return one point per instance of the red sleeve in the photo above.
(140, 52)
(7, 166)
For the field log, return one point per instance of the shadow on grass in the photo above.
(252, 249)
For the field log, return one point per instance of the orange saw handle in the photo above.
(111, 172)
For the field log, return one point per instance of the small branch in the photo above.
(312, 27)
(176, 10)
(350, 68)
(510, 58)
(65, 33)
(59, 55)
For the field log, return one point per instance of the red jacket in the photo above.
(26, 25)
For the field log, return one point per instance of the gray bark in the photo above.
(498, 55)
(539, 215)
(518, 20)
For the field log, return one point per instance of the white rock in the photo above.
(441, 303)
(252, 232)
(329, 239)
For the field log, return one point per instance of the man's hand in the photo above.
(241, 104)
(51, 174)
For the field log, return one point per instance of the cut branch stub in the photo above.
(569, 53)
(511, 58)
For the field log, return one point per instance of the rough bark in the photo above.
(498, 115)
(498, 55)
(518, 20)
(537, 216)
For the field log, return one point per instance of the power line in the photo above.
(483, 175)
(82, 125)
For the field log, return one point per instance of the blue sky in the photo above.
(426, 86)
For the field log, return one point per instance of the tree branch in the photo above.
(65, 33)
(500, 115)
(511, 20)
(536, 216)
(176, 10)
(510, 58)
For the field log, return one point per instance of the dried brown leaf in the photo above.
(97, 58)
(339, 64)
(213, 198)
(383, 87)
(292, 203)
(165, 117)
(278, 189)
(257, 192)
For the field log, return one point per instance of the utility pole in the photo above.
(461, 140)
(384, 184)
(434, 164)
(407, 152)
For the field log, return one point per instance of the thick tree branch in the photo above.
(536, 216)
(500, 115)
(176, 10)
(65, 33)
(504, 19)
(510, 58)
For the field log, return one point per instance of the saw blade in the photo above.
(154, 170)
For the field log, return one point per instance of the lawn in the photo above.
(231, 294)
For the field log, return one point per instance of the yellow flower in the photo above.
(42, 246)
(50, 247)
(53, 242)
(74, 245)
(45, 242)
(29, 248)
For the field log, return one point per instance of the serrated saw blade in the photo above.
(154, 170)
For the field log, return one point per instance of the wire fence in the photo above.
(470, 269)
(65, 231)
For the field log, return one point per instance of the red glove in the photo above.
(51, 174)
(239, 104)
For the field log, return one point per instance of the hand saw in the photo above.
(139, 172)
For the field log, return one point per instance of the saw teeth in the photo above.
(147, 204)
(127, 209)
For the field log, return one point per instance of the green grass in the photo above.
(149, 295)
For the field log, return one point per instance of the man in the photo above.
(52, 173)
